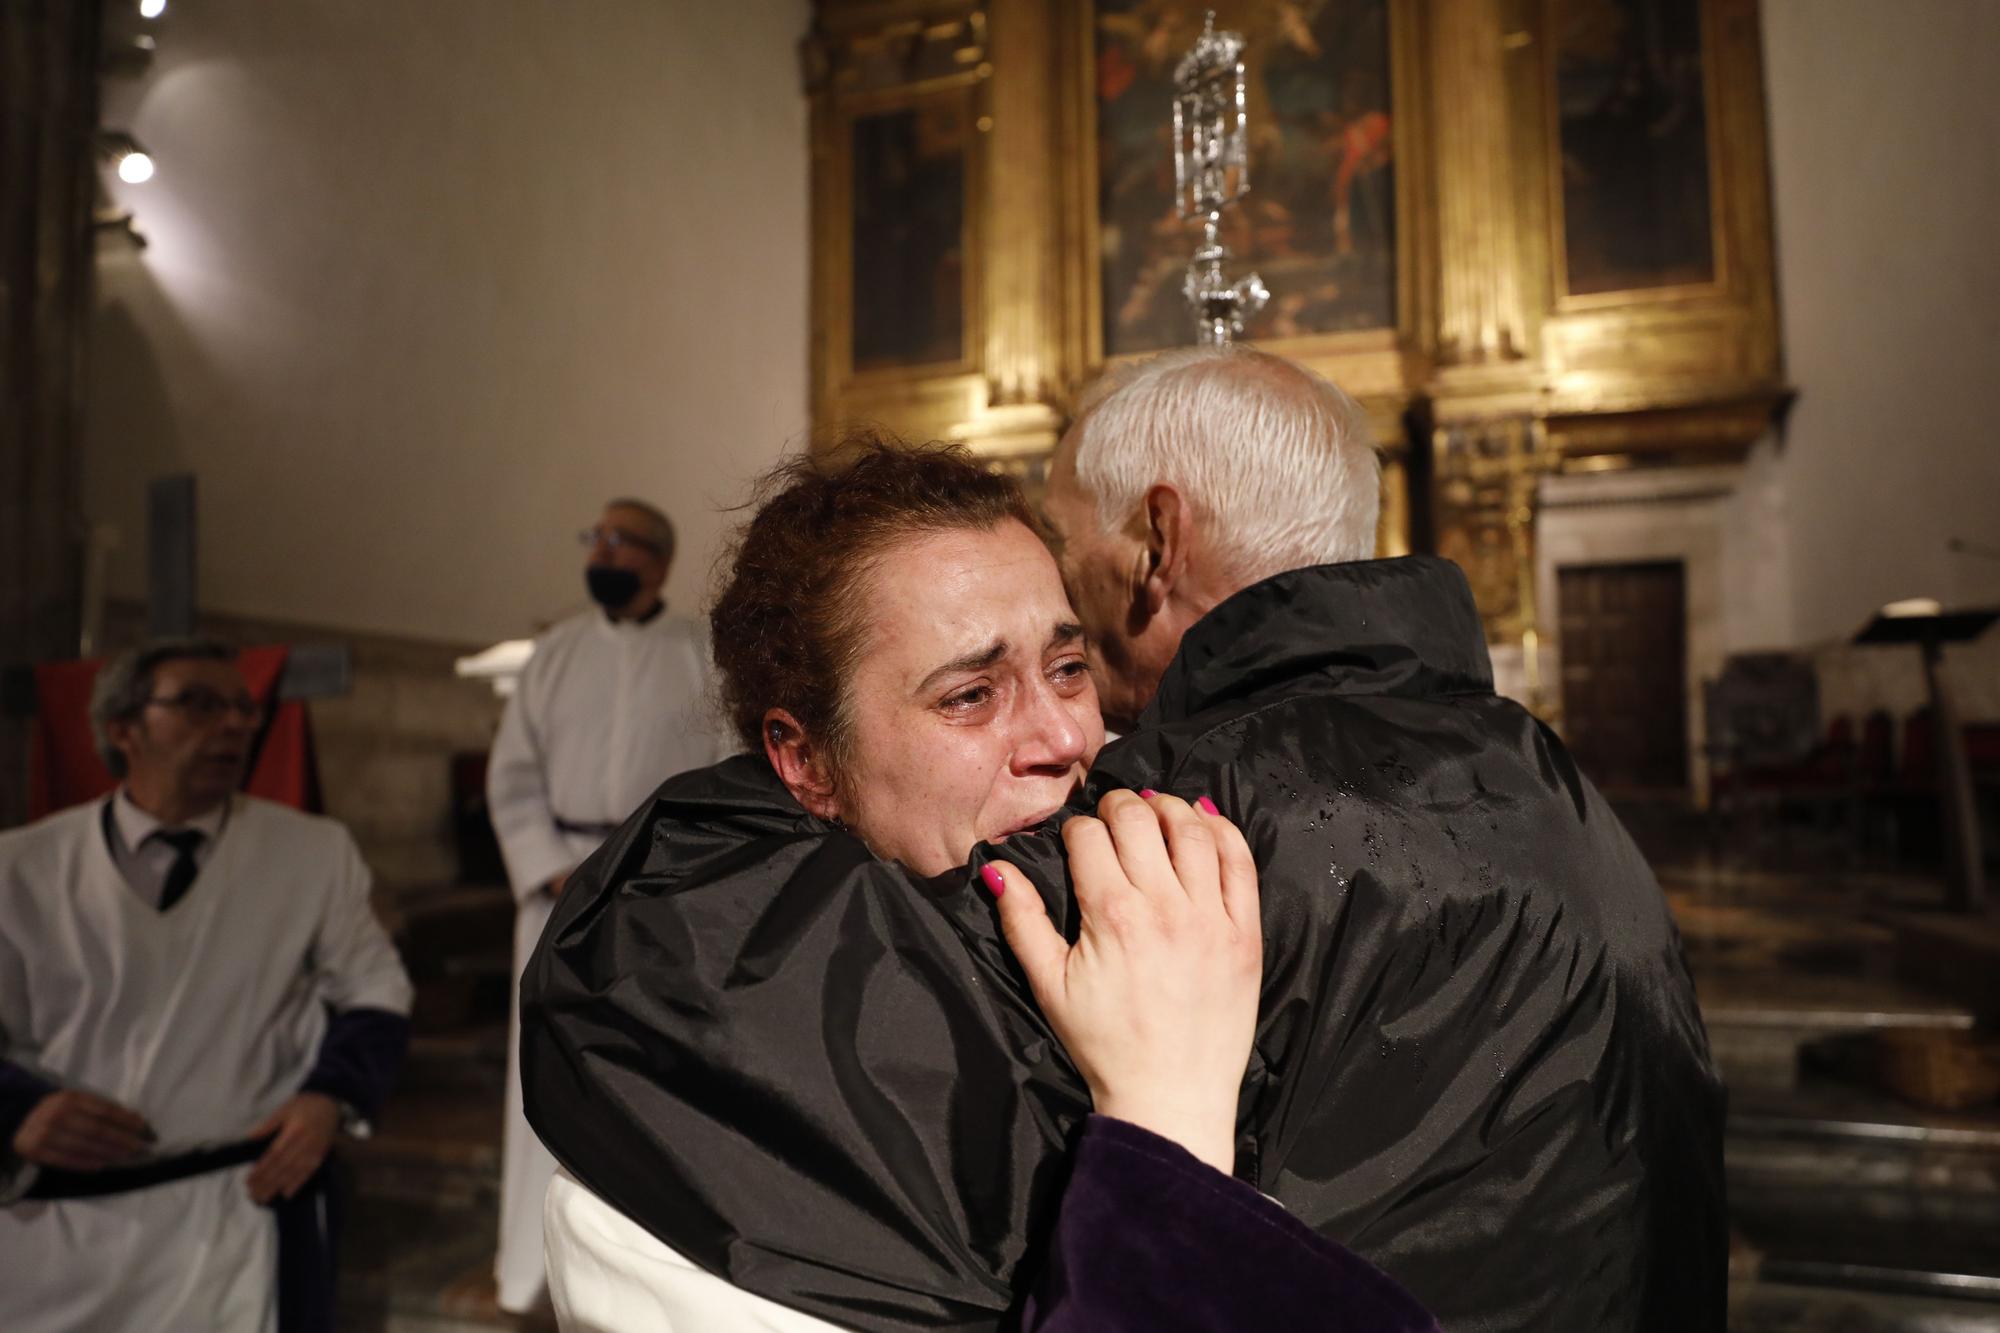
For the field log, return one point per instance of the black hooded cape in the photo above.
(1478, 1061)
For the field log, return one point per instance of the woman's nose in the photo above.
(1050, 734)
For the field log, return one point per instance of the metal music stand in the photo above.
(1965, 865)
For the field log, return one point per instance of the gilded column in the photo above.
(1022, 314)
(1481, 318)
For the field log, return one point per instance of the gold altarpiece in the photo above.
(1570, 267)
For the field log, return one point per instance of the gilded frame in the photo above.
(1383, 366)
(1563, 299)
(1669, 347)
(920, 399)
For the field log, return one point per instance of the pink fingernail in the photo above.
(1208, 806)
(1148, 793)
(993, 880)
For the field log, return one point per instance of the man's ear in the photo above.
(799, 764)
(122, 733)
(1168, 537)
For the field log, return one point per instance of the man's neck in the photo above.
(172, 809)
(641, 608)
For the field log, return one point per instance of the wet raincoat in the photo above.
(1478, 1062)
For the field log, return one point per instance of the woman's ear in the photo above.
(799, 764)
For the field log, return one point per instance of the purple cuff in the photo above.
(1150, 1238)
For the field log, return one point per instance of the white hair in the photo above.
(1275, 460)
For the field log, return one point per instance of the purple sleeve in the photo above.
(1150, 1238)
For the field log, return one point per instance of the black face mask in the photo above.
(611, 588)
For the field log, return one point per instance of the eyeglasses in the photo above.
(614, 539)
(207, 705)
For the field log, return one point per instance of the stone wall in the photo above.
(385, 747)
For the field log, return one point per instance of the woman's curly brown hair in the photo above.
(787, 623)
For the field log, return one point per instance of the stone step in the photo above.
(1769, 1306)
(1759, 1022)
(470, 1061)
(446, 921)
(1951, 953)
(436, 1147)
(458, 942)
(1840, 1189)
(411, 1264)
(425, 1202)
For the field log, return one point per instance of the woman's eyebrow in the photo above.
(1065, 631)
(977, 660)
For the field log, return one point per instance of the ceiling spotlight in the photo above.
(152, 9)
(133, 164)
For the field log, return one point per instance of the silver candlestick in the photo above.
(1211, 172)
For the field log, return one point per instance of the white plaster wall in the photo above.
(1886, 180)
(429, 279)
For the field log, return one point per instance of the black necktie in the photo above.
(184, 842)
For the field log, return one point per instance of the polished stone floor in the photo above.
(1853, 1209)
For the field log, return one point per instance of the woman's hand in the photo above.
(1157, 1000)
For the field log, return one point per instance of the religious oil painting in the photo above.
(1632, 124)
(1319, 223)
(909, 188)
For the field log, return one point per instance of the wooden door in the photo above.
(1624, 673)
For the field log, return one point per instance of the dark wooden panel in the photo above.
(1624, 672)
(48, 92)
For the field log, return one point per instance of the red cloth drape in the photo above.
(64, 770)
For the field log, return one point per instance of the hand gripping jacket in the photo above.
(1478, 1062)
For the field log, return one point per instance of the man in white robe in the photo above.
(613, 703)
(195, 998)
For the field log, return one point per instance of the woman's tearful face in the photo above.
(973, 715)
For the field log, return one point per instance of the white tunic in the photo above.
(608, 1274)
(204, 1019)
(604, 713)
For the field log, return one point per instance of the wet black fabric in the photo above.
(1478, 1063)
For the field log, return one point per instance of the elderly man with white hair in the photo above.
(1478, 1059)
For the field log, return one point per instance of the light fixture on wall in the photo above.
(128, 54)
(132, 163)
(129, 59)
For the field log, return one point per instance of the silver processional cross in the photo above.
(1212, 171)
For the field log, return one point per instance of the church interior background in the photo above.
(1674, 320)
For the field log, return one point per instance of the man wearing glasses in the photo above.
(195, 998)
(613, 703)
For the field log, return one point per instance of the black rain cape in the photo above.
(1478, 1060)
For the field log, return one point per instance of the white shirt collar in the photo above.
(630, 627)
(135, 825)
